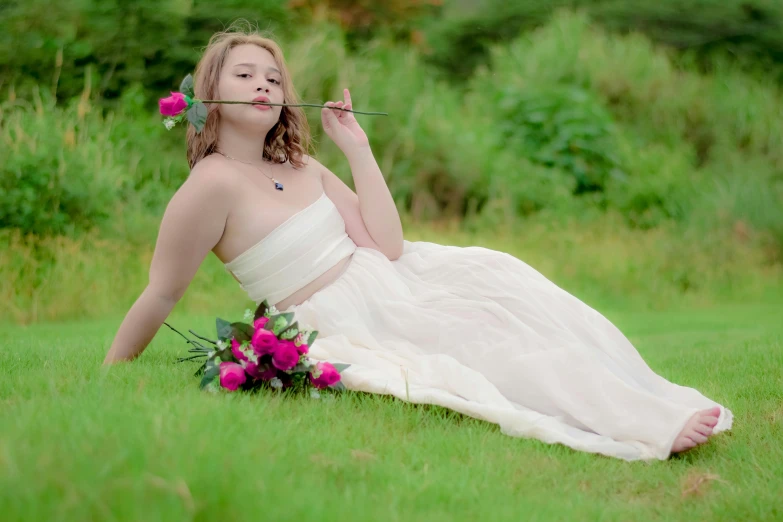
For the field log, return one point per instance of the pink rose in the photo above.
(235, 349)
(255, 371)
(263, 342)
(268, 374)
(173, 105)
(260, 322)
(285, 356)
(301, 346)
(301, 339)
(232, 375)
(252, 370)
(329, 375)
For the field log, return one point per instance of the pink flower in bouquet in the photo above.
(173, 105)
(235, 349)
(253, 370)
(260, 322)
(329, 375)
(264, 342)
(301, 346)
(232, 375)
(285, 355)
(268, 374)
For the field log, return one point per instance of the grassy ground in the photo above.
(140, 442)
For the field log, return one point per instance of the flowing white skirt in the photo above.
(481, 332)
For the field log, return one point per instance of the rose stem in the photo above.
(296, 105)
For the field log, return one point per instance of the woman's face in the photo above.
(250, 71)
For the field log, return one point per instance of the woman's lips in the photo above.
(263, 99)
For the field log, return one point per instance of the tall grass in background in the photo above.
(593, 157)
(603, 262)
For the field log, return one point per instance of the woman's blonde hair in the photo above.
(288, 140)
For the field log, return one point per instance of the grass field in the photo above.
(140, 442)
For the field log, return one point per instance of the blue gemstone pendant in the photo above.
(278, 185)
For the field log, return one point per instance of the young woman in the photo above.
(471, 329)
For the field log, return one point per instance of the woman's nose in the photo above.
(266, 89)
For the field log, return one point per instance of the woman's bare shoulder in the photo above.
(313, 167)
(311, 163)
(212, 166)
(212, 173)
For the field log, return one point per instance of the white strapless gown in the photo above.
(475, 330)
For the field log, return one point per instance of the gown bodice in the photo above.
(294, 254)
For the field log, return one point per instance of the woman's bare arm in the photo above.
(372, 200)
(192, 225)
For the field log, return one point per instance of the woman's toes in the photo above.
(697, 437)
(682, 444)
(696, 431)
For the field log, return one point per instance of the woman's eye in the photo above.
(275, 81)
(243, 75)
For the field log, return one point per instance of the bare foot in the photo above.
(697, 430)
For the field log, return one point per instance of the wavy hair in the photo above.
(288, 140)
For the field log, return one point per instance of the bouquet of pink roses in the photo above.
(269, 353)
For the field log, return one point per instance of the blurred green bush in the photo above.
(749, 31)
(153, 43)
(68, 168)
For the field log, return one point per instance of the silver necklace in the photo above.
(278, 185)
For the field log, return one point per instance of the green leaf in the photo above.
(261, 310)
(278, 323)
(186, 86)
(300, 368)
(338, 386)
(241, 331)
(290, 332)
(340, 367)
(223, 329)
(212, 370)
(197, 115)
(213, 385)
(212, 367)
(311, 339)
(205, 381)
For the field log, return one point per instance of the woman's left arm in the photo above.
(375, 203)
